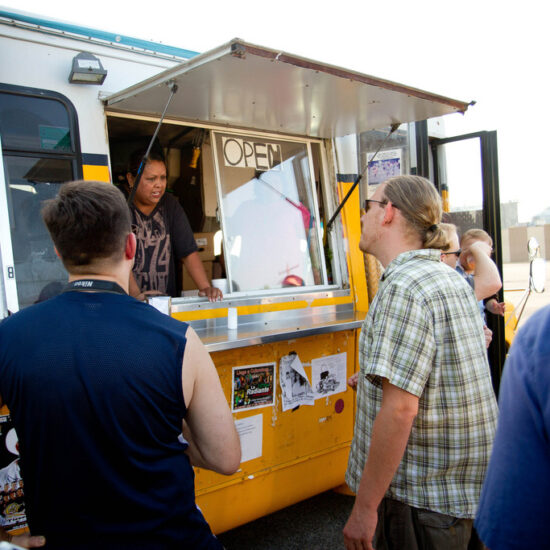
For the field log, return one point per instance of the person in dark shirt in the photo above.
(113, 401)
(164, 236)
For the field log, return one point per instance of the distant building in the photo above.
(508, 214)
(542, 218)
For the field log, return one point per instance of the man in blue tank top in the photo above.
(101, 386)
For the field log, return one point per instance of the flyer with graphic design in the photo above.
(12, 503)
(253, 387)
(383, 166)
(328, 374)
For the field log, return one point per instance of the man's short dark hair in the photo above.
(87, 221)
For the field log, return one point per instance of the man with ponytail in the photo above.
(426, 411)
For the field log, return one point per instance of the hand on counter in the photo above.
(212, 293)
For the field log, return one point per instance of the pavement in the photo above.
(313, 524)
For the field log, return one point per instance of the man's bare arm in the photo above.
(209, 425)
(487, 281)
(194, 266)
(391, 431)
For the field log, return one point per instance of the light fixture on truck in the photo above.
(87, 69)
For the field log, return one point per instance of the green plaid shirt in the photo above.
(424, 334)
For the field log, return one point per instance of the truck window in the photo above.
(269, 213)
(264, 195)
(39, 149)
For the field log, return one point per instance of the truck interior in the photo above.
(261, 197)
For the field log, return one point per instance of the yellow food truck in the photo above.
(262, 146)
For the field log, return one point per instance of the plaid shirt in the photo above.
(424, 334)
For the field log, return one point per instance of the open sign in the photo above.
(260, 155)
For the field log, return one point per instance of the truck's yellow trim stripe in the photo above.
(96, 173)
(205, 313)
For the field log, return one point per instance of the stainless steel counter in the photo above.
(273, 327)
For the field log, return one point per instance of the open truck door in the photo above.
(466, 174)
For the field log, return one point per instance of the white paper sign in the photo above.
(328, 375)
(250, 432)
(295, 387)
(242, 153)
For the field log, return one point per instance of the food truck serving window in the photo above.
(269, 213)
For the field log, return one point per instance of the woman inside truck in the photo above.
(164, 236)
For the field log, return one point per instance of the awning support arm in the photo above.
(173, 89)
(393, 128)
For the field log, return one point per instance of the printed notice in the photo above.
(385, 165)
(250, 432)
(295, 387)
(12, 503)
(328, 375)
(253, 387)
(242, 153)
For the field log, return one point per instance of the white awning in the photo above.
(241, 85)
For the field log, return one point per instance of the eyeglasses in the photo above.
(367, 201)
(457, 253)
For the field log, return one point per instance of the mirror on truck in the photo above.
(537, 274)
(533, 248)
(537, 268)
(537, 281)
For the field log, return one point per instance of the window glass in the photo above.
(33, 123)
(270, 221)
(460, 171)
(29, 182)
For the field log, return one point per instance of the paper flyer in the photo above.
(12, 503)
(253, 387)
(385, 165)
(328, 375)
(295, 387)
(250, 432)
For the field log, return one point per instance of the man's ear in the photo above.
(130, 179)
(131, 245)
(57, 253)
(389, 213)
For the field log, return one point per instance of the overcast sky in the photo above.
(493, 52)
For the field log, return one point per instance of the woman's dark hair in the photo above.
(137, 156)
(87, 221)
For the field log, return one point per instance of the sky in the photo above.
(492, 52)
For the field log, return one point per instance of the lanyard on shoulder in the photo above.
(94, 285)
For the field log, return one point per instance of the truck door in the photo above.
(39, 146)
(466, 171)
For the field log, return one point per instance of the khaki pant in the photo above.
(402, 527)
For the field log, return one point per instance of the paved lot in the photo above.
(314, 524)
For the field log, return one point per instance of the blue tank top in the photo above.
(93, 383)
